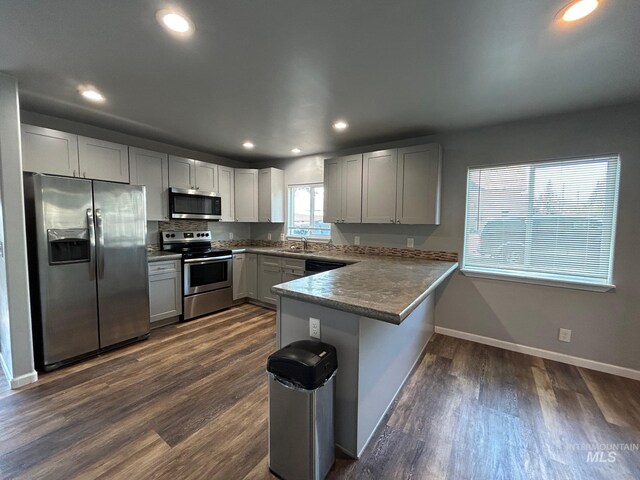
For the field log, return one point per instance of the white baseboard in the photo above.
(20, 381)
(539, 352)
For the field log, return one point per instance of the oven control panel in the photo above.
(181, 237)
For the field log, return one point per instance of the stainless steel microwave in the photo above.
(194, 204)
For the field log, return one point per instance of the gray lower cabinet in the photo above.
(239, 276)
(165, 293)
(275, 270)
(251, 270)
(269, 274)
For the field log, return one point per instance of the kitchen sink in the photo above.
(296, 250)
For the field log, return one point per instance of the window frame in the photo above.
(531, 277)
(315, 238)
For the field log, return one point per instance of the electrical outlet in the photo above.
(564, 335)
(268, 236)
(314, 328)
(409, 242)
(230, 235)
(356, 240)
(282, 237)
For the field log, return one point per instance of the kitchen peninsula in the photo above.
(379, 314)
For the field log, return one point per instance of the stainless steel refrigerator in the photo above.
(87, 266)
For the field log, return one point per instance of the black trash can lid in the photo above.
(306, 363)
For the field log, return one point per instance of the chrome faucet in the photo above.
(304, 242)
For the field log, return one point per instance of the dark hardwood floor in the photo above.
(191, 403)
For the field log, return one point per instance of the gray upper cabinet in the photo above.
(192, 174)
(246, 194)
(49, 151)
(271, 195)
(206, 176)
(379, 170)
(226, 188)
(101, 160)
(182, 172)
(59, 153)
(343, 189)
(151, 169)
(418, 185)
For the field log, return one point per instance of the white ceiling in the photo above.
(279, 72)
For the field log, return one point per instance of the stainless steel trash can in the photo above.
(301, 395)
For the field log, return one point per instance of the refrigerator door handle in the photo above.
(92, 245)
(100, 249)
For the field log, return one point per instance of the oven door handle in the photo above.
(200, 261)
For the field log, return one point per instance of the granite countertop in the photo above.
(159, 256)
(382, 287)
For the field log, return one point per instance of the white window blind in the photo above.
(551, 220)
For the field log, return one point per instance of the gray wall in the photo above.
(15, 314)
(606, 326)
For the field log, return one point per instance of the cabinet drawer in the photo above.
(163, 267)
(270, 261)
(293, 263)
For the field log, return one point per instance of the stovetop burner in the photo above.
(191, 244)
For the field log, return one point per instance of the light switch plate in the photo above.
(314, 328)
(356, 240)
(230, 235)
(409, 242)
(564, 335)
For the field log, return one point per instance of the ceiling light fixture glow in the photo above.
(579, 9)
(91, 93)
(175, 22)
(340, 125)
(248, 145)
(295, 150)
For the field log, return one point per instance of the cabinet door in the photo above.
(206, 176)
(49, 151)
(151, 169)
(226, 192)
(264, 197)
(270, 275)
(333, 190)
(246, 194)
(182, 172)
(239, 276)
(100, 160)
(379, 171)
(418, 185)
(351, 197)
(271, 195)
(251, 273)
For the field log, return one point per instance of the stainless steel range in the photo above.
(206, 272)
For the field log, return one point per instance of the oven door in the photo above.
(194, 204)
(207, 274)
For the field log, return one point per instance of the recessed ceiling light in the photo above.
(579, 9)
(295, 150)
(175, 22)
(248, 145)
(340, 125)
(91, 93)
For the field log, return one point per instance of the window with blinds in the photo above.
(551, 220)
